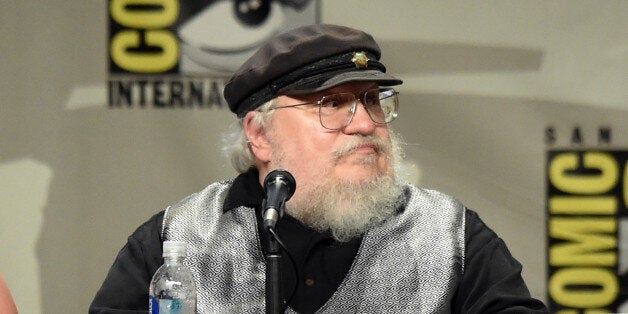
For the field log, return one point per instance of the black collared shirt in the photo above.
(491, 282)
(321, 261)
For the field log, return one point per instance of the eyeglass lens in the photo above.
(337, 110)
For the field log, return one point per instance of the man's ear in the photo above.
(257, 137)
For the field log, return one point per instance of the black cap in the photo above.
(303, 61)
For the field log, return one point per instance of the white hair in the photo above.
(235, 144)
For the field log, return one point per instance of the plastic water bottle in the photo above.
(172, 289)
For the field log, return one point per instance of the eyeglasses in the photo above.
(337, 110)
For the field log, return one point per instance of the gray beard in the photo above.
(348, 209)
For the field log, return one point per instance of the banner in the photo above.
(587, 218)
(178, 54)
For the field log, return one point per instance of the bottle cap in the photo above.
(174, 247)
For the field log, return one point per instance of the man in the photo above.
(316, 101)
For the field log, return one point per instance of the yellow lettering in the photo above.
(583, 205)
(626, 185)
(596, 311)
(563, 283)
(584, 183)
(144, 62)
(586, 311)
(589, 241)
(146, 19)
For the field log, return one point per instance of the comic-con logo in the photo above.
(199, 36)
(192, 46)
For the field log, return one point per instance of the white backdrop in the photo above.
(482, 82)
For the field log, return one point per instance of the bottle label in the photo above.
(153, 305)
(166, 306)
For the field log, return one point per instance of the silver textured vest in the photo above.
(410, 264)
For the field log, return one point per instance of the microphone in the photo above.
(279, 186)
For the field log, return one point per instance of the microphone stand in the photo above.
(274, 302)
(279, 186)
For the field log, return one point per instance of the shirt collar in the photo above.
(245, 191)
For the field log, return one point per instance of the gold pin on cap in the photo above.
(360, 59)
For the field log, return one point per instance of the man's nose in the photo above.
(361, 121)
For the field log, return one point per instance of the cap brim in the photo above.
(325, 81)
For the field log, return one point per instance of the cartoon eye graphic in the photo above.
(252, 12)
(224, 33)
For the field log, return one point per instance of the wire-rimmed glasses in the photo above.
(337, 110)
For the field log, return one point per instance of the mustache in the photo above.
(380, 145)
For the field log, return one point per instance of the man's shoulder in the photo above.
(145, 242)
(205, 205)
(213, 193)
(428, 199)
(153, 227)
(210, 191)
(149, 229)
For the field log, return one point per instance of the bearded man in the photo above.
(316, 101)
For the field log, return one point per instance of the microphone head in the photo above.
(282, 177)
